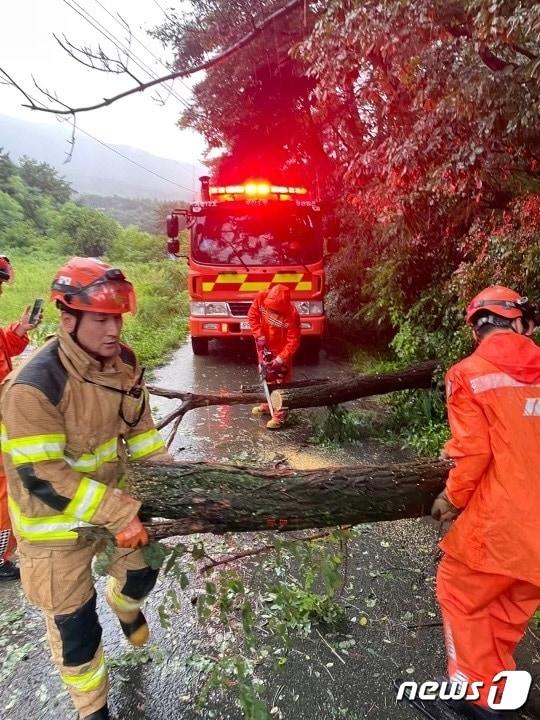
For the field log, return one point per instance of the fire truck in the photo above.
(244, 238)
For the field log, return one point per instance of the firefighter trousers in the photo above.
(59, 581)
(7, 539)
(484, 616)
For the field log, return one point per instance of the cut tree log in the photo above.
(204, 497)
(339, 391)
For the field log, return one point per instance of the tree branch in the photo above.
(231, 50)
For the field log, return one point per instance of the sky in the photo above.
(27, 47)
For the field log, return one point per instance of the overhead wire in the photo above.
(119, 21)
(117, 152)
(134, 162)
(94, 22)
(111, 37)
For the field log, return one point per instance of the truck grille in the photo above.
(239, 309)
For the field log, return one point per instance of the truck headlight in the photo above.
(198, 308)
(309, 307)
(216, 308)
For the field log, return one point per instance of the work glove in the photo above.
(133, 535)
(442, 509)
(276, 370)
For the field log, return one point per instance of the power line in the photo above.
(134, 162)
(120, 21)
(93, 22)
(117, 152)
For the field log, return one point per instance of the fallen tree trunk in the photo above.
(295, 384)
(203, 497)
(303, 393)
(336, 392)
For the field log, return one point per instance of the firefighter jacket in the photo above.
(494, 415)
(281, 330)
(65, 444)
(11, 344)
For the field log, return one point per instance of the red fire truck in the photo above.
(244, 238)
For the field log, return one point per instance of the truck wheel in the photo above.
(311, 347)
(199, 345)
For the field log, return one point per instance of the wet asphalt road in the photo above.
(345, 674)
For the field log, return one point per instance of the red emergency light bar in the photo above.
(256, 190)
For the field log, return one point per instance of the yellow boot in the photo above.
(277, 420)
(261, 409)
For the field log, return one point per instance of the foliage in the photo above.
(254, 107)
(281, 604)
(134, 245)
(147, 215)
(339, 426)
(432, 117)
(85, 232)
(44, 178)
(157, 328)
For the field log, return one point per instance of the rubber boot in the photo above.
(259, 410)
(277, 421)
(101, 714)
(136, 630)
(9, 571)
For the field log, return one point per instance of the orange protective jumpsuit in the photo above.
(281, 329)
(11, 344)
(488, 583)
(273, 316)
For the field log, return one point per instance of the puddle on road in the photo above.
(229, 433)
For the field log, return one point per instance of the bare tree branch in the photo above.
(141, 87)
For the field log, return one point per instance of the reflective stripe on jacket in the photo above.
(65, 446)
(494, 416)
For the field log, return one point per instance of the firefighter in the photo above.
(488, 582)
(13, 340)
(275, 324)
(73, 415)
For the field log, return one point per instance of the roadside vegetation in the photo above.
(40, 227)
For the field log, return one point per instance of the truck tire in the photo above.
(199, 345)
(310, 349)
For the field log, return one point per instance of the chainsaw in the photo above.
(267, 358)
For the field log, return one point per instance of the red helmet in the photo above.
(278, 299)
(499, 300)
(90, 285)
(7, 274)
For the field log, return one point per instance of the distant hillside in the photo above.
(148, 215)
(94, 169)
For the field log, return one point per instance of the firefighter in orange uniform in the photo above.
(13, 340)
(488, 582)
(275, 324)
(73, 416)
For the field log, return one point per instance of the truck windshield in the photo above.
(267, 235)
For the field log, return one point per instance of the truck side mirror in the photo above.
(176, 221)
(173, 226)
